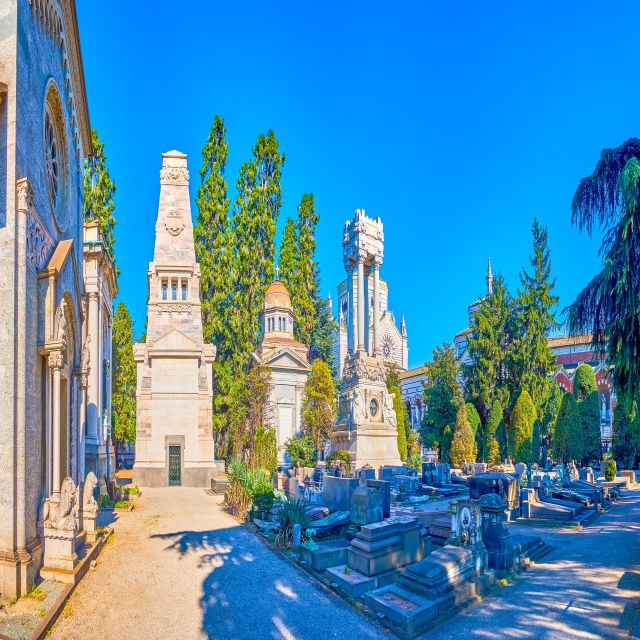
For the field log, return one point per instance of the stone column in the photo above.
(376, 308)
(93, 380)
(55, 362)
(361, 303)
(82, 390)
(351, 327)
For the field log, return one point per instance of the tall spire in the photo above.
(489, 278)
(403, 326)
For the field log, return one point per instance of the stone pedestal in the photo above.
(366, 504)
(385, 546)
(366, 426)
(59, 552)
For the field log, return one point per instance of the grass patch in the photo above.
(67, 611)
(13, 600)
(110, 539)
(36, 593)
(105, 502)
(132, 490)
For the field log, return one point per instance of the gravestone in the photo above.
(520, 468)
(366, 503)
(336, 493)
(385, 473)
(385, 494)
(504, 484)
(586, 474)
(429, 474)
(501, 554)
(444, 473)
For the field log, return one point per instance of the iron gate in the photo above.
(175, 467)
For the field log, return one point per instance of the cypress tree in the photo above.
(532, 361)
(626, 436)
(211, 239)
(253, 240)
(492, 425)
(306, 268)
(476, 425)
(521, 428)
(99, 191)
(287, 261)
(585, 391)
(123, 392)
(567, 425)
(323, 333)
(490, 345)
(535, 443)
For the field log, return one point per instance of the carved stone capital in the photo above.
(56, 360)
(174, 175)
(25, 195)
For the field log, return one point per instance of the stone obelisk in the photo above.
(174, 437)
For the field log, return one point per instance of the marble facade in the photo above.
(174, 436)
(44, 319)
(287, 362)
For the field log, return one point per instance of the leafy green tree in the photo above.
(585, 390)
(250, 411)
(521, 428)
(463, 444)
(319, 406)
(550, 412)
(99, 191)
(442, 396)
(266, 449)
(399, 408)
(490, 348)
(393, 378)
(608, 306)
(302, 451)
(567, 425)
(532, 360)
(492, 425)
(626, 436)
(123, 381)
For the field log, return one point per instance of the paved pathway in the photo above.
(179, 567)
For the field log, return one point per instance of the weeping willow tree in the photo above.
(609, 306)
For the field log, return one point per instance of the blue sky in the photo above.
(456, 122)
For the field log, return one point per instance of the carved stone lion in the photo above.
(89, 504)
(62, 512)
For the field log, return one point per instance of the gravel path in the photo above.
(179, 567)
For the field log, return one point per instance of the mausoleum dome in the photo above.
(277, 297)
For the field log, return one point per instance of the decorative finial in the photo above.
(277, 270)
(403, 325)
(489, 278)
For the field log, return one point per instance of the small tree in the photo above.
(626, 436)
(476, 425)
(463, 445)
(567, 423)
(266, 449)
(521, 433)
(318, 408)
(399, 408)
(301, 451)
(123, 395)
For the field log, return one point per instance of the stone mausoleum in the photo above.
(174, 437)
(57, 282)
(287, 361)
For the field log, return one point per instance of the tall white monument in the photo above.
(366, 420)
(174, 438)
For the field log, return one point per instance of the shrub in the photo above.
(493, 424)
(414, 461)
(131, 491)
(292, 511)
(585, 391)
(610, 470)
(566, 433)
(245, 485)
(302, 451)
(342, 456)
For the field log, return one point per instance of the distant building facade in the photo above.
(287, 361)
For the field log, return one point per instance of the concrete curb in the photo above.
(52, 615)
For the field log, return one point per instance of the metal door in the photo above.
(175, 467)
